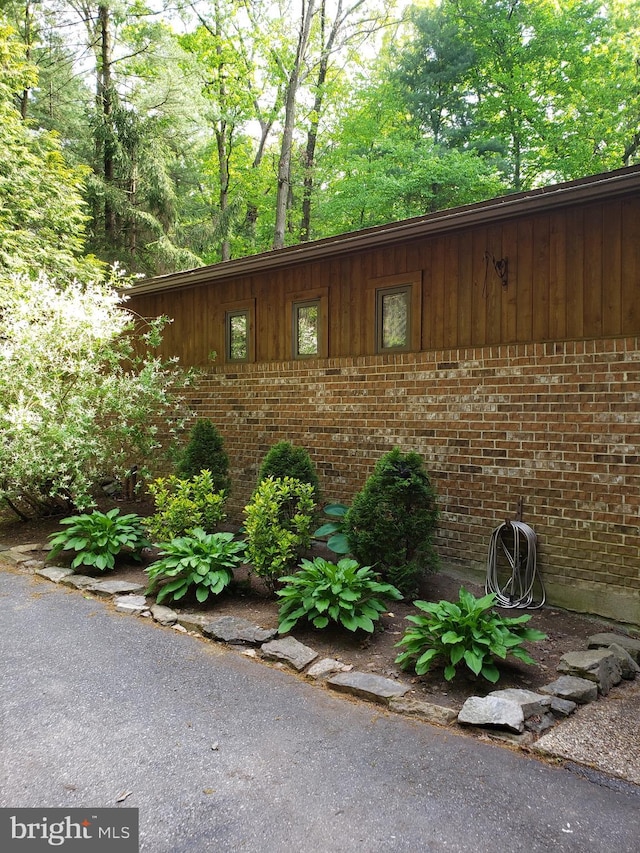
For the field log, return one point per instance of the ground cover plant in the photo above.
(344, 593)
(469, 632)
(200, 561)
(99, 537)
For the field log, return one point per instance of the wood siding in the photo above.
(573, 273)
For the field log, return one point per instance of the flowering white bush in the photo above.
(77, 400)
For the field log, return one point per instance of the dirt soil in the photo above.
(248, 599)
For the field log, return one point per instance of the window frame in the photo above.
(246, 309)
(302, 299)
(409, 283)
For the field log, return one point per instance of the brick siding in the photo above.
(555, 424)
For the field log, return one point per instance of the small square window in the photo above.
(306, 328)
(393, 308)
(237, 336)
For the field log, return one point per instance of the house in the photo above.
(500, 340)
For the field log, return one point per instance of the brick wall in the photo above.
(555, 424)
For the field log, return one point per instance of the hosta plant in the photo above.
(200, 561)
(322, 592)
(335, 530)
(98, 537)
(468, 632)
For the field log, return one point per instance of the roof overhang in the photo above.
(607, 185)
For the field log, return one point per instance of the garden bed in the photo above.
(247, 598)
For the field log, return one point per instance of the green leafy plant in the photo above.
(183, 505)
(335, 530)
(278, 526)
(205, 452)
(468, 632)
(392, 520)
(286, 460)
(324, 592)
(98, 537)
(202, 561)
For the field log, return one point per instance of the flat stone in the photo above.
(115, 587)
(231, 629)
(27, 548)
(580, 690)
(368, 686)
(532, 704)
(290, 651)
(492, 711)
(326, 667)
(604, 640)
(163, 615)
(539, 723)
(130, 603)
(628, 667)
(599, 665)
(78, 581)
(562, 707)
(192, 621)
(54, 573)
(437, 715)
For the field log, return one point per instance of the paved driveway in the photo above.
(223, 754)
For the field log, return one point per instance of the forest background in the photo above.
(166, 135)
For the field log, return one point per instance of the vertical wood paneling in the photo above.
(480, 286)
(540, 279)
(510, 294)
(592, 279)
(524, 320)
(631, 267)
(494, 291)
(461, 257)
(575, 266)
(611, 268)
(557, 276)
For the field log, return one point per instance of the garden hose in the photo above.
(517, 543)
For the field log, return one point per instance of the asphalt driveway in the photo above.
(221, 753)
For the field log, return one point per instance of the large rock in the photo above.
(492, 711)
(231, 629)
(530, 702)
(193, 621)
(326, 667)
(54, 573)
(628, 667)
(368, 686)
(569, 687)
(115, 587)
(134, 604)
(599, 665)
(604, 640)
(290, 651)
(164, 615)
(437, 715)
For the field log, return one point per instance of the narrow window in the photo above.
(393, 321)
(306, 328)
(237, 336)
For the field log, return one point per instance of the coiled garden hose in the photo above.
(516, 542)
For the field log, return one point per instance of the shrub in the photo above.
(285, 460)
(278, 526)
(205, 452)
(98, 537)
(335, 530)
(203, 561)
(468, 632)
(344, 593)
(182, 505)
(391, 522)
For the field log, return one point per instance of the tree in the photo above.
(77, 403)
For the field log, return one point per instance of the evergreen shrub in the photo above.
(286, 460)
(205, 452)
(392, 520)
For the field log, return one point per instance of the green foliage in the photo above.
(205, 452)
(98, 538)
(183, 505)
(468, 632)
(337, 540)
(202, 561)
(392, 520)
(323, 592)
(278, 526)
(286, 460)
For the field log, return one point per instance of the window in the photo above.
(306, 328)
(237, 335)
(393, 318)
